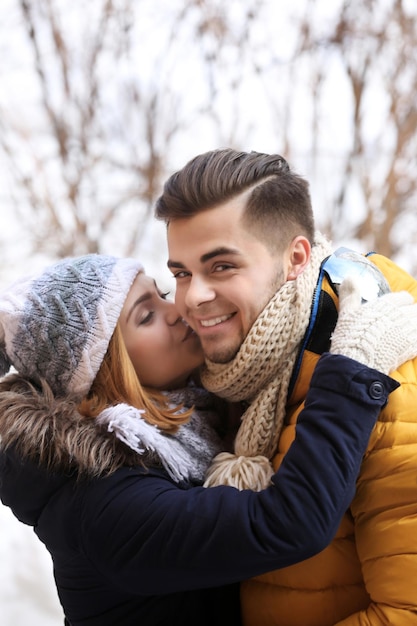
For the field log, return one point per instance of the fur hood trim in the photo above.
(52, 432)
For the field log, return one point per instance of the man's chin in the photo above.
(220, 355)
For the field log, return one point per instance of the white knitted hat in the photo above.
(58, 325)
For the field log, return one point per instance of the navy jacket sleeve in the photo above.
(151, 536)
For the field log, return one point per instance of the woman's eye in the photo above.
(165, 295)
(146, 319)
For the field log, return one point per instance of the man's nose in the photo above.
(198, 292)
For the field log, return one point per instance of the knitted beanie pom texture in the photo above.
(58, 325)
(242, 472)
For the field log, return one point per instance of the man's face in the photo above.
(224, 276)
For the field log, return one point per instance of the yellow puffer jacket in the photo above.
(368, 575)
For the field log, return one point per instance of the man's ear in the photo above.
(299, 253)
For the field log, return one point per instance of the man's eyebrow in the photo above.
(221, 251)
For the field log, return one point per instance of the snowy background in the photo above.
(114, 95)
(27, 590)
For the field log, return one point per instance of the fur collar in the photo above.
(51, 431)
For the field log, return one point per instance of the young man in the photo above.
(260, 287)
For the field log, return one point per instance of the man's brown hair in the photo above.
(279, 200)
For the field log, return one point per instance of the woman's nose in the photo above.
(172, 315)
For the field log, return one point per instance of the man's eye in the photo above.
(181, 274)
(222, 267)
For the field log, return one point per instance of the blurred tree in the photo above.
(375, 43)
(102, 99)
(82, 166)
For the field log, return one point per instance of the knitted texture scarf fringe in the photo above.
(260, 374)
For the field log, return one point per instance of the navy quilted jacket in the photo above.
(136, 548)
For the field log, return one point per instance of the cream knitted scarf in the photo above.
(260, 374)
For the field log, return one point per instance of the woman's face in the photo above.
(163, 349)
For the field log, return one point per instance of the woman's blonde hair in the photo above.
(117, 382)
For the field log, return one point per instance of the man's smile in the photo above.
(214, 321)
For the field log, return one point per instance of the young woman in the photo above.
(106, 438)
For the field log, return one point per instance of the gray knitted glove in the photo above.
(381, 334)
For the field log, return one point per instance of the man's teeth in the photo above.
(214, 321)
